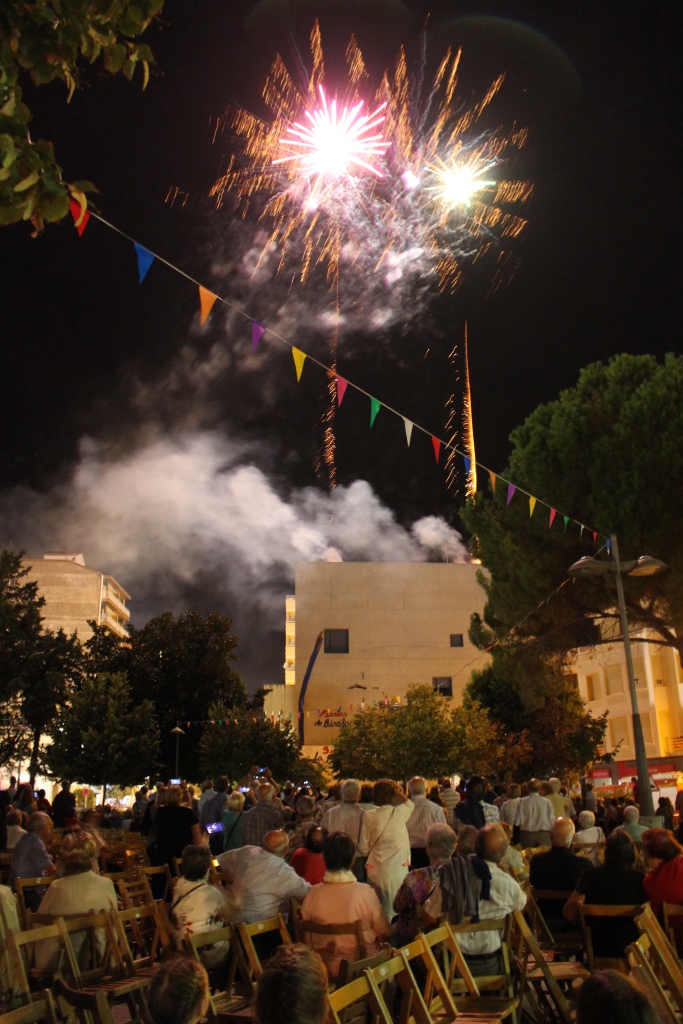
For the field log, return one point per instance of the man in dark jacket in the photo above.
(470, 811)
(558, 869)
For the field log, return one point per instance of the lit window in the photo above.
(443, 685)
(593, 686)
(456, 640)
(618, 731)
(614, 680)
(336, 641)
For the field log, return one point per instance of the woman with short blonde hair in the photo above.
(231, 819)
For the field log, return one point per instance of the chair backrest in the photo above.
(92, 949)
(25, 950)
(493, 982)
(163, 871)
(21, 885)
(353, 928)
(141, 936)
(362, 992)
(176, 861)
(590, 911)
(236, 970)
(84, 1007)
(643, 972)
(538, 923)
(663, 953)
(433, 985)
(413, 1006)
(115, 876)
(247, 932)
(350, 969)
(531, 958)
(136, 893)
(673, 925)
(43, 1009)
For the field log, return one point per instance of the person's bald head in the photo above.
(534, 786)
(276, 842)
(265, 793)
(417, 786)
(492, 843)
(562, 832)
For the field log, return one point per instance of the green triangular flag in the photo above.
(566, 520)
(374, 409)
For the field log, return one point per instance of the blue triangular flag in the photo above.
(608, 545)
(145, 260)
(467, 465)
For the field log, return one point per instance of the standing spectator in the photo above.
(664, 883)
(367, 800)
(425, 813)
(207, 792)
(384, 841)
(212, 810)
(308, 861)
(140, 802)
(261, 819)
(63, 805)
(31, 859)
(508, 808)
(450, 799)
(475, 810)
(175, 827)
(341, 899)
(305, 815)
(347, 817)
(591, 799)
(12, 790)
(679, 805)
(666, 811)
(232, 817)
(534, 817)
(14, 829)
(43, 804)
(199, 907)
(417, 886)
(25, 801)
(562, 805)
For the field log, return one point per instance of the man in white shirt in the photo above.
(262, 879)
(482, 950)
(384, 841)
(347, 817)
(534, 818)
(425, 813)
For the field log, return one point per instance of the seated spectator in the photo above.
(498, 895)
(9, 919)
(79, 891)
(508, 808)
(14, 829)
(666, 811)
(418, 884)
(559, 869)
(616, 882)
(179, 992)
(341, 899)
(664, 883)
(512, 862)
(262, 818)
(308, 860)
(263, 881)
(31, 859)
(631, 826)
(608, 997)
(467, 840)
(292, 988)
(199, 907)
(590, 834)
(232, 816)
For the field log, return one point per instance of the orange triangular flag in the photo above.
(492, 478)
(206, 301)
(299, 359)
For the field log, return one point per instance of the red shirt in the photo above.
(665, 884)
(310, 866)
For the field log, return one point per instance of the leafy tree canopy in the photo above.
(48, 40)
(242, 740)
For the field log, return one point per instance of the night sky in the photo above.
(100, 373)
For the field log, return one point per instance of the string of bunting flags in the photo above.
(207, 299)
(319, 712)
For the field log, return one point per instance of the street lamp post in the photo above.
(643, 566)
(177, 732)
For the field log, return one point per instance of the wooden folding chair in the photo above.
(247, 933)
(493, 994)
(9, 922)
(397, 971)
(543, 983)
(663, 953)
(136, 856)
(361, 995)
(21, 885)
(116, 876)
(136, 893)
(538, 924)
(673, 925)
(237, 989)
(160, 871)
(352, 928)
(295, 918)
(143, 938)
(176, 861)
(590, 911)
(570, 941)
(491, 983)
(82, 1007)
(349, 970)
(643, 972)
(25, 953)
(43, 1009)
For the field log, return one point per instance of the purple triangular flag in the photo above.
(511, 491)
(256, 332)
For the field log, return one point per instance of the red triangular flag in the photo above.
(81, 217)
(595, 537)
(436, 445)
(341, 389)
(553, 513)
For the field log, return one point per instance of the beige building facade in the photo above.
(74, 593)
(385, 627)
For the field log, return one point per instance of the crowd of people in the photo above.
(399, 860)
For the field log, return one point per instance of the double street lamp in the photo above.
(643, 566)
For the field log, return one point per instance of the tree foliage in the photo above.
(241, 740)
(48, 40)
(103, 735)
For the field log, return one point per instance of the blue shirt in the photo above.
(30, 860)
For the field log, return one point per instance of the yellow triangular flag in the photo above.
(532, 506)
(206, 301)
(299, 359)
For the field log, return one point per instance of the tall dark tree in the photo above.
(241, 739)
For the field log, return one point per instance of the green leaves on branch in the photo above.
(51, 40)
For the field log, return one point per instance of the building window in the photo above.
(646, 724)
(593, 686)
(443, 685)
(456, 640)
(614, 682)
(336, 641)
(618, 731)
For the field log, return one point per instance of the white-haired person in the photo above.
(347, 817)
(199, 907)
(232, 817)
(562, 805)
(631, 824)
(589, 835)
(418, 884)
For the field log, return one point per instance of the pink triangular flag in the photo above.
(511, 490)
(341, 389)
(256, 332)
(436, 445)
(206, 301)
(553, 513)
(409, 429)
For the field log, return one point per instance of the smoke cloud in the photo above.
(192, 521)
